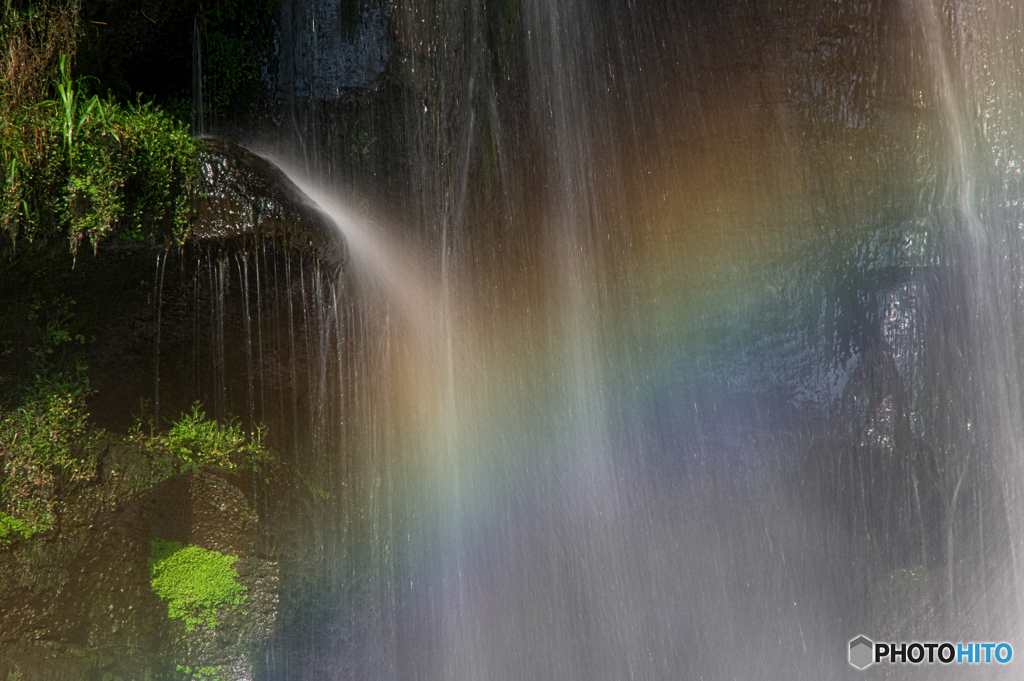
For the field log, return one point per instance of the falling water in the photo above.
(681, 344)
(198, 113)
(158, 286)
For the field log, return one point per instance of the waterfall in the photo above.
(670, 342)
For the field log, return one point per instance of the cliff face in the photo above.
(108, 351)
(134, 334)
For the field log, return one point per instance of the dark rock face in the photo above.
(332, 47)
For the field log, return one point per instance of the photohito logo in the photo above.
(864, 652)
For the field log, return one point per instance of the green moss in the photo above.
(11, 528)
(197, 584)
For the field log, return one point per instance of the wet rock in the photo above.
(241, 194)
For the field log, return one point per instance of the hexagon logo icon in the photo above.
(861, 652)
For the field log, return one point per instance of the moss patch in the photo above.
(11, 528)
(196, 583)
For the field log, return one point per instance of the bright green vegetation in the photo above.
(199, 441)
(205, 673)
(197, 584)
(91, 168)
(83, 166)
(50, 450)
(11, 526)
(195, 442)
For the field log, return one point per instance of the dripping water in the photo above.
(158, 292)
(242, 262)
(198, 115)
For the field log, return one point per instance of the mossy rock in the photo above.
(77, 602)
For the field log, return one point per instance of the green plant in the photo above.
(75, 111)
(197, 584)
(34, 168)
(88, 166)
(361, 146)
(35, 36)
(193, 443)
(46, 446)
(55, 323)
(318, 491)
(128, 174)
(206, 673)
(203, 442)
